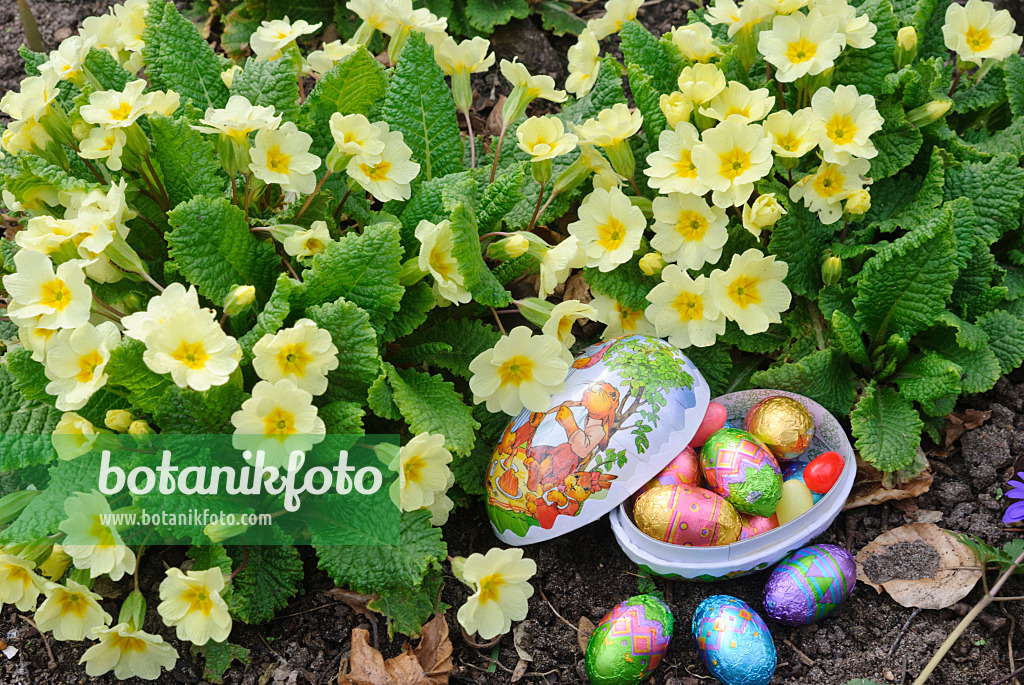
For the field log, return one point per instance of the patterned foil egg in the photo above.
(686, 515)
(733, 641)
(755, 525)
(684, 469)
(782, 424)
(741, 469)
(809, 584)
(794, 470)
(629, 642)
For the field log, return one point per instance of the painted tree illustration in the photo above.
(651, 372)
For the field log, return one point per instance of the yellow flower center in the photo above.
(377, 172)
(743, 291)
(490, 587)
(279, 423)
(628, 318)
(692, 226)
(801, 51)
(978, 39)
(17, 574)
(413, 468)
(685, 167)
(104, 536)
(192, 355)
(314, 245)
(689, 306)
(788, 142)
(198, 599)
(277, 161)
(122, 112)
(281, 35)
(734, 163)
(736, 109)
(56, 295)
(516, 370)
(612, 234)
(108, 142)
(127, 644)
(293, 359)
(72, 603)
(87, 365)
(829, 182)
(564, 328)
(443, 263)
(841, 130)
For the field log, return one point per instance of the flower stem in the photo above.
(472, 143)
(536, 210)
(314, 194)
(956, 82)
(497, 154)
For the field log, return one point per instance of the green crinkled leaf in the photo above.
(211, 246)
(36, 173)
(971, 97)
(980, 367)
(352, 86)
(407, 612)
(382, 399)
(431, 404)
(715, 365)
(32, 60)
(213, 555)
(928, 378)
(418, 354)
(188, 160)
(272, 575)
(995, 189)
(426, 204)
(22, 417)
(198, 413)
(107, 70)
(887, 428)
(273, 315)
(420, 105)
(800, 239)
(28, 376)
(866, 69)
(904, 287)
(343, 417)
(1009, 140)
(45, 512)
(498, 198)
(968, 335)
(484, 15)
(466, 338)
(930, 41)
(973, 287)
(648, 100)
(127, 370)
(640, 47)
(363, 268)
(218, 657)
(825, 376)
(1005, 338)
(626, 284)
(178, 58)
(848, 334)
(471, 471)
(559, 18)
(272, 84)
(358, 360)
(417, 301)
(479, 281)
(897, 142)
(1013, 81)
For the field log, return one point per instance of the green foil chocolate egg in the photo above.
(741, 469)
(628, 644)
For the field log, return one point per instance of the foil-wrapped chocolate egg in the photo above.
(686, 515)
(741, 469)
(733, 641)
(782, 424)
(755, 525)
(628, 643)
(684, 469)
(794, 470)
(809, 584)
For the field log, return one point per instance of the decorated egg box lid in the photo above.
(629, 405)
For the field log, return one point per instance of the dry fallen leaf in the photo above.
(434, 651)
(429, 664)
(586, 629)
(868, 488)
(366, 665)
(920, 565)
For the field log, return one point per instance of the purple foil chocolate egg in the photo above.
(809, 584)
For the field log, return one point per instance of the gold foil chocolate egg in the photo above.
(782, 424)
(687, 515)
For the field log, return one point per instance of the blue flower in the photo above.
(1015, 512)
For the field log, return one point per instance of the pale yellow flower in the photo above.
(323, 60)
(468, 57)
(671, 168)
(375, 13)
(76, 364)
(73, 436)
(128, 652)
(19, 584)
(730, 157)
(652, 263)
(193, 349)
(858, 30)
(906, 38)
(56, 564)
(436, 258)
(563, 316)
(976, 32)
(308, 242)
(354, 135)
(173, 299)
(675, 107)
(845, 121)
(616, 13)
(751, 291)
(118, 420)
(793, 134)
(695, 42)
(34, 98)
(41, 296)
(737, 18)
(618, 319)
(191, 604)
(611, 126)
(45, 234)
(859, 202)
(71, 611)
(800, 44)
(584, 63)
(762, 213)
(278, 419)
(423, 473)
(237, 119)
(303, 354)
(117, 109)
(683, 310)
(782, 6)
(102, 30)
(36, 340)
(391, 177)
(272, 37)
(66, 61)
(738, 100)
(557, 262)
(701, 82)
(824, 190)
(106, 144)
(539, 86)
(422, 19)
(131, 22)
(521, 370)
(609, 228)
(443, 504)
(500, 580)
(689, 231)
(93, 544)
(227, 76)
(544, 138)
(282, 156)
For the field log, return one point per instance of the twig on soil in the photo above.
(1009, 638)
(53, 662)
(806, 660)
(697, 675)
(555, 611)
(903, 631)
(309, 611)
(1013, 674)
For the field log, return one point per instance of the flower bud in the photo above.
(511, 247)
(906, 38)
(676, 107)
(541, 170)
(762, 213)
(118, 420)
(58, 562)
(228, 77)
(13, 504)
(133, 610)
(535, 310)
(652, 263)
(929, 112)
(858, 203)
(140, 428)
(831, 270)
(240, 299)
(622, 159)
(219, 532)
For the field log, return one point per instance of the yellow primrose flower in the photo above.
(584, 63)
(66, 61)
(36, 340)
(19, 584)
(738, 100)
(563, 316)
(117, 109)
(605, 177)
(845, 122)
(93, 544)
(521, 370)
(737, 18)
(976, 32)
(118, 420)
(304, 354)
(544, 138)
(801, 44)
(793, 134)
(652, 263)
(689, 231)
(730, 157)
(282, 156)
(173, 299)
(618, 319)
(557, 262)
(436, 258)
(355, 136)
(751, 291)
(468, 57)
(423, 473)
(859, 202)
(782, 6)
(500, 580)
(56, 564)
(76, 364)
(407, 19)
(45, 234)
(128, 653)
(609, 228)
(824, 190)
(701, 82)
(73, 436)
(857, 30)
(272, 37)
(322, 61)
(533, 87)
(308, 242)
(762, 213)
(71, 611)
(237, 119)
(683, 311)
(28, 136)
(695, 42)
(376, 15)
(675, 107)
(102, 31)
(43, 297)
(191, 604)
(106, 144)
(131, 22)
(227, 76)
(612, 126)
(443, 504)
(191, 347)
(278, 419)
(391, 177)
(616, 13)
(34, 98)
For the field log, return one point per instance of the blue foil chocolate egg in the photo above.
(809, 584)
(733, 641)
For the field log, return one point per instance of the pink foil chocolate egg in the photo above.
(684, 469)
(755, 525)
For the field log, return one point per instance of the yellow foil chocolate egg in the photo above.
(687, 515)
(796, 499)
(781, 423)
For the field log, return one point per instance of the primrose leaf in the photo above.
(417, 301)
(272, 83)
(1013, 76)
(178, 58)
(846, 331)
(927, 378)
(887, 428)
(866, 69)
(825, 376)
(800, 239)
(218, 657)
(45, 512)
(358, 359)
(466, 339)
(271, 576)
(431, 404)
(498, 198)
(897, 142)
(559, 18)
(408, 611)
(1005, 338)
(273, 315)
(352, 86)
(995, 189)
(188, 160)
(648, 100)
(182, 410)
(479, 279)
(127, 369)
(25, 426)
(484, 15)
(110, 74)
(640, 47)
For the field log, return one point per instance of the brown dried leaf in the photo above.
(494, 121)
(955, 572)
(404, 669)
(586, 629)
(868, 488)
(577, 288)
(429, 664)
(366, 665)
(519, 671)
(434, 651)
